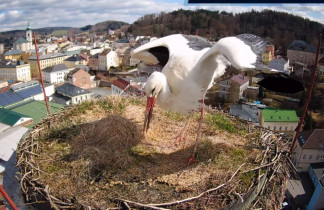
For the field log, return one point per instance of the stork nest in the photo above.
(95, 155)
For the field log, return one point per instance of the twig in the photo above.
(53, 205)
(140, 204)
(127, 206)
(242, 200)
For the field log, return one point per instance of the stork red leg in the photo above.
(192, 159)
(181, 135)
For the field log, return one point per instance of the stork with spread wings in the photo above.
(191, 64)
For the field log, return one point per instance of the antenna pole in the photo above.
(41, 75)
(309, 95)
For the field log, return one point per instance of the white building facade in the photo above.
(15, 72)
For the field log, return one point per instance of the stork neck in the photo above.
(165, 92)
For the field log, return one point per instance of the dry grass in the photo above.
(96, 152)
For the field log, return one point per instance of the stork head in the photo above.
(153, 87)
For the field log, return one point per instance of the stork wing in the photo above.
(243, 52)
(159, 50)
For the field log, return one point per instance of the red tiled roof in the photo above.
(120, 83)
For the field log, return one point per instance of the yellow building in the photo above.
(266, 57)
(45, 61)
(13, 55)
(16, 71)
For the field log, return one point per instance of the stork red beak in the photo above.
(148, 112)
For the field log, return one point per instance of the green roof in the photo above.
(21, 41)
(277, 115)
(9, 117)
(37, 110)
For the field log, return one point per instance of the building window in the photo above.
(274, 127)
(310, 157)
(269, 127)
(317, 157)
(304, 157)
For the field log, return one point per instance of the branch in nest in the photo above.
(139, 204)
(53, 205)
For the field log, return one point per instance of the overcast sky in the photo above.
(14, 14)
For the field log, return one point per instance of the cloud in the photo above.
(78, 13)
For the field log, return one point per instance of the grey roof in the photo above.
(24, 85)
(20, 41)
(300, 45)
(245, 112)
(13, 52)
(82, 66)
(59, 67)
(74, 58)
(71, 90)
(47, 56)
(124, 40)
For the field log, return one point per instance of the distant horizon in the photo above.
(79, 13)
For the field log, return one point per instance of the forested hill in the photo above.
(278, 27)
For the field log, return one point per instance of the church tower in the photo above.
(29, 37)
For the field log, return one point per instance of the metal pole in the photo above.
(6, 196)
(309, 95)
(41, 75)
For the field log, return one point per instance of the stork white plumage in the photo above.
(191, 64)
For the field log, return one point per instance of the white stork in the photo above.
(191, 64)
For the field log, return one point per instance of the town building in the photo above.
(1, 49)
(232, 89)
(124, 86)
(45, 61)
(74, 60)
(13, 55)
(279, 63)
(301, 70)
(24, 44)
(315, 172)
(108, 58)
(12, 118)
(321, 66)
(80, 78)
(279, 120)
(16, 71)
(22, 92)
(94, 62)
(248, 112)
(309, 149)
(268, 54)
(68, 94)
(300, 51)
(56, 74)
(4, 86)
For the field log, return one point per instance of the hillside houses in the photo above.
(231, 89)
